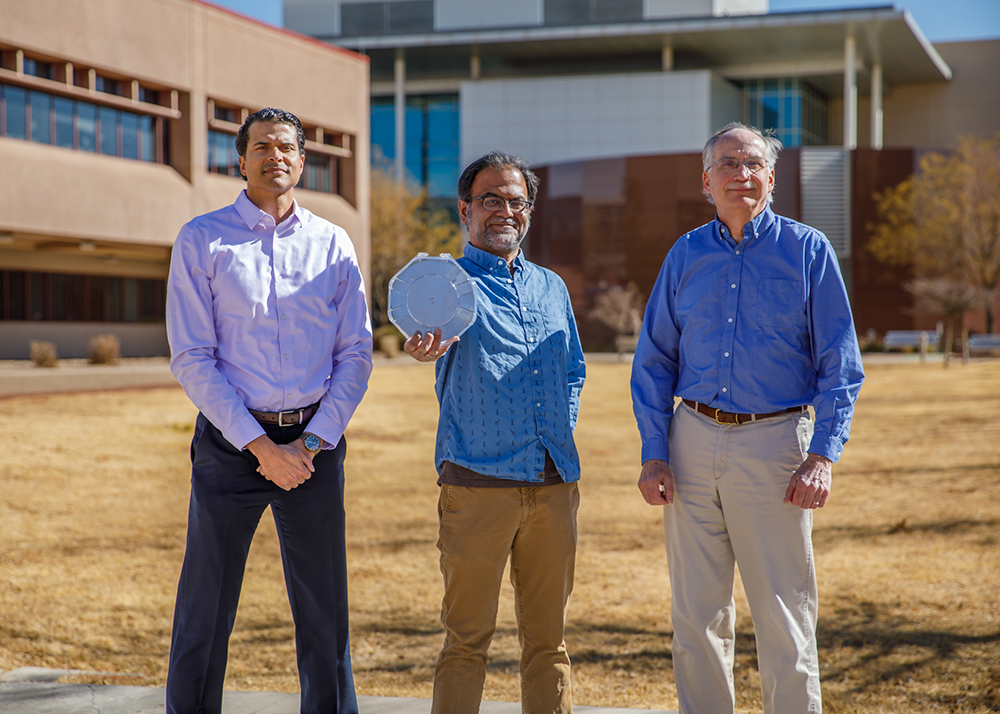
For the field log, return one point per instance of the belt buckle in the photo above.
(293, 411)
(717, 420)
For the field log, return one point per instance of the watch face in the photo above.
(311, 441)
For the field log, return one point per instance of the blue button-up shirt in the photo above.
(268, 317)
(752, 327)
(509, 390)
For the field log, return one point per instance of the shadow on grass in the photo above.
(826, 535)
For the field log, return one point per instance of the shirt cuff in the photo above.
(656, 449)
(243, 431)
(826, 445)
(326, 429)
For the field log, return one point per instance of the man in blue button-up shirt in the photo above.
(270, 338)
(748, 325)
(509, 392)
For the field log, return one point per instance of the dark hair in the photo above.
(771, 147)
(496, 160)
(269, 115)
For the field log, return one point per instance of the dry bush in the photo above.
(104, 349)
(44, 354)
(907, 550)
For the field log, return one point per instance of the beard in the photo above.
(501, 236)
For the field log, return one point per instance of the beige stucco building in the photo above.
(117, 121)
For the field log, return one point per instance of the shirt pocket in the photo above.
(780, 303)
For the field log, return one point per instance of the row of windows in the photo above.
(433, 150)
(55, 72)
(80, 298)
(321, 172)
(48, 119)
(358, 19)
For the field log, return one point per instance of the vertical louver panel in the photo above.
(825, 194)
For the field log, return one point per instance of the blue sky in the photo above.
(940, 20)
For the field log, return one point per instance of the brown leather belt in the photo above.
(292, 417)
(732, 418)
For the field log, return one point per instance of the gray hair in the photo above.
(771, 148)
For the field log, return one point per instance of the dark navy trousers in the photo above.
(228, 497)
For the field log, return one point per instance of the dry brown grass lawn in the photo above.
(93, 500)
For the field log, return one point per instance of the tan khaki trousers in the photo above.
(480, 528)
(729, 485)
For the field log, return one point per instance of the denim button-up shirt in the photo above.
(510, 388)
(752, 327)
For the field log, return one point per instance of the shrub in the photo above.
(104, 349)
(43, 354)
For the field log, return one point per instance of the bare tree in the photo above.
(620, 309)
(404, 224)
(945, 220)
(949, 299)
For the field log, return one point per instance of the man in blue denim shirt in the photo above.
(509, 392)
(748, 324)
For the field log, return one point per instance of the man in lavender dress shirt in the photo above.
(270, 337)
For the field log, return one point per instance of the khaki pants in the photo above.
(729, 483)
(479, 529)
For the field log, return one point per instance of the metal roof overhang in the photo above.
(800, 44)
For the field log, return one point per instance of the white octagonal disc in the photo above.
(432, 293)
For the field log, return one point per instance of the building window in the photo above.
(796, 110)
(37, 68)
(582, 12)
(433, 149)
(59, 297)
(380, 18)
(222, 158)
(109, 86)
(72, 124)
(320, 173)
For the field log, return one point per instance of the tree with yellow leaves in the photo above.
(404, 224)
(945, 220)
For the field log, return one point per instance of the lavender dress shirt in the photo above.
(268, 317)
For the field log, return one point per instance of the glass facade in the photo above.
(60, 297)
(49, 119)
(796, 110)
(432, 140)
(380, 18)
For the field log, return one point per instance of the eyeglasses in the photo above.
(731, 166)
(495, 203)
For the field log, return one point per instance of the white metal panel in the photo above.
(555, 119)
(825, 197)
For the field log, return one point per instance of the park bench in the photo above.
(981, 344)
(908, 340)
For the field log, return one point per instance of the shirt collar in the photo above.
(252, 215)
(493, 263)
(760, 223)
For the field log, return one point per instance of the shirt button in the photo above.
(538, 404)
(531, 339)
(727, 354)
(284, 317)
(730, 319)
(289, 396)
(286, 356)
(524, 309)
(724, 390)
(737, 252)
(536, 371)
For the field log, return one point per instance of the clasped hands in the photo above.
(285, 465)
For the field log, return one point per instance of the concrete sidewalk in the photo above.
(48, 697)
